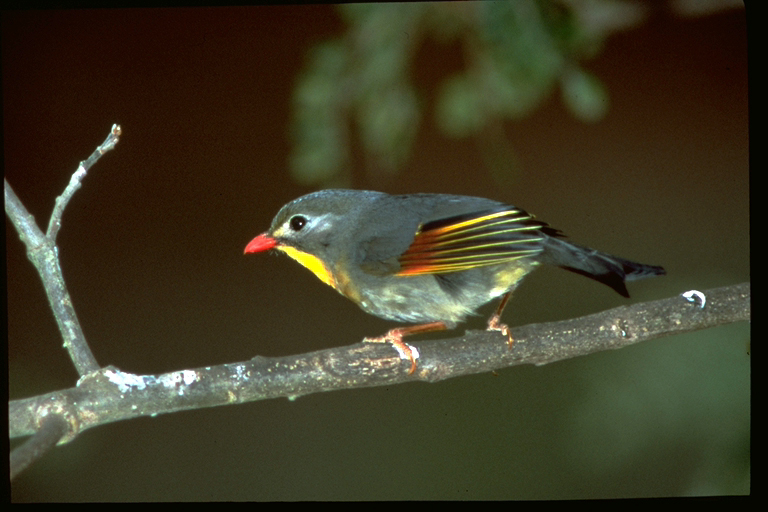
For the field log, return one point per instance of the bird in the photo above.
(428, 259)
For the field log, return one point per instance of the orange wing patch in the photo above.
(474, 240)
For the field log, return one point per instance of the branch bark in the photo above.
(109, 395)
(42, 251)
(52, 429)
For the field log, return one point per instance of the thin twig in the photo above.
(54, 225)
(42, 251)
(52, 429)
(44, 256)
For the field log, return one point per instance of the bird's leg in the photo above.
(395, 338)
(495, 324)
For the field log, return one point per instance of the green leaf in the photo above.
(460, 109)
(584, 95)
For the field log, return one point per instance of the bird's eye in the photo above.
(297, 222)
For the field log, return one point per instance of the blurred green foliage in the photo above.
(515, 54)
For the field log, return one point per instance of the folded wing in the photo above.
(473, 240)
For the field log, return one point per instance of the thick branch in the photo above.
(110, 395)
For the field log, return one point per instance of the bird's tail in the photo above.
(609, 270)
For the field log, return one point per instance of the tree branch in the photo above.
(52, 429)
(110, 395)
(75, 182)
(42, 251)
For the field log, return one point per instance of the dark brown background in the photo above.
(151, 248)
